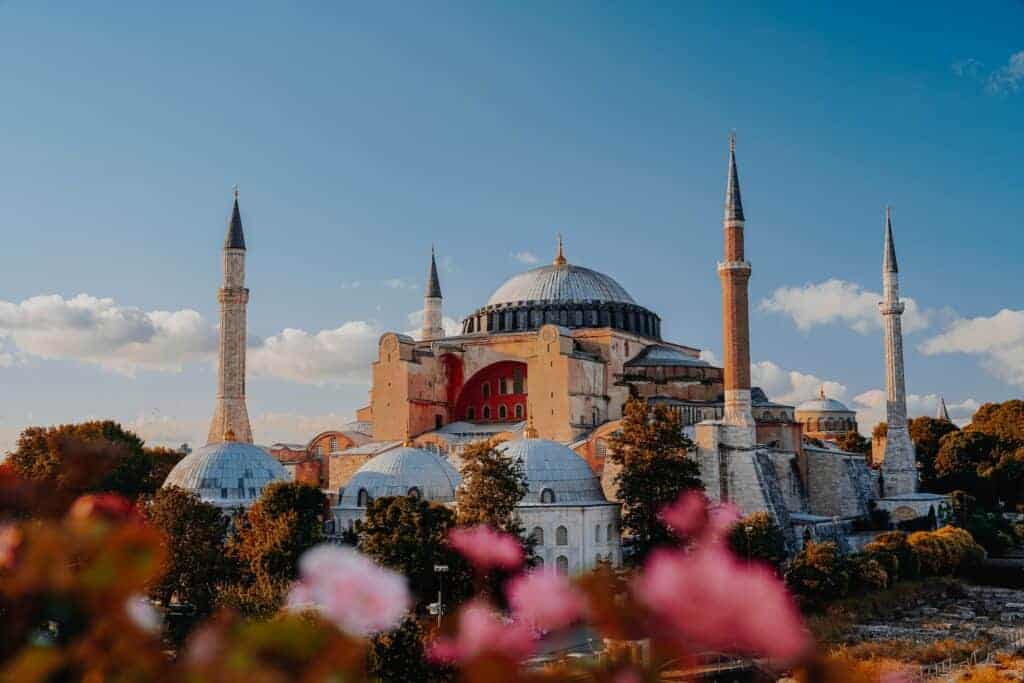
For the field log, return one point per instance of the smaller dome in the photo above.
(822, 404)
(229, 474)
(397, 472)
(550, 466)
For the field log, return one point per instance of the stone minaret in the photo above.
(899, 470)
(734, 272)
(433, 322)
(230, 418)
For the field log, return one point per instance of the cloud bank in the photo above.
(998, 341)
(838, 302)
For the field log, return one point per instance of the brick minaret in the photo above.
(899, 471)
(433, 321)
(230, 418)
(734, 272)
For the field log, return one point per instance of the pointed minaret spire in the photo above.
(821, 392)
(231, 417)
(733, 202)
(942, 413)
(235, 238)
(560, 254)
(889, 264)
(433, 318)
(899, 468)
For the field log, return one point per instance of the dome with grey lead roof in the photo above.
(560, 283)
(230, 474)
(551, 466)
(399, 471)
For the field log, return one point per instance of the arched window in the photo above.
(561, 536)
(363, 498)
(487, 412)
(414, 493)
(547, 496)
(611, 532)
(519, 411)
(334, 444)
(470, 413)
(538, 535)
(563, 564)
(597, 534)
(485, 388)
(502, 412)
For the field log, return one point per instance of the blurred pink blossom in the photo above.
(483, 632)
(707, 597)
(693, 517)
(350, 590)
(141, 612)
(487, 549)
(545, 599)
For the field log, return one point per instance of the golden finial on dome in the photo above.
(229, 435)
(560, 256)
(531, 431)
(821, 392)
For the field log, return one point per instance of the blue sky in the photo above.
(362, 133)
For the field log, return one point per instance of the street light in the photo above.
(749, 530)
(440, 570)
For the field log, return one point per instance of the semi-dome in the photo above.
(230, 474)
(560, 283)
(401, 472)
(555, 474)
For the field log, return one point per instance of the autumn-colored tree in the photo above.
(194, 535)
(267, 542)
(1004, 421)
(853, 442)
(91, 457)
(958, 464)
(819, 573)
(757, 537)
(409, 535)
(654, 469)
(926, 433)
(492, 485)
(399, 655)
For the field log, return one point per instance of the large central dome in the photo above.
(561, 283)
(561, 294)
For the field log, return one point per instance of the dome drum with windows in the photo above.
(562, 294)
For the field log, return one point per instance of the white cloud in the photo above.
(339, 356)
(452, 327)
(708, 356)
(967, 68)
(838, 302)
(870, 407)
(398, 283)
(526, 257)
(1009, 77)
(792, 387)
(268, 428)
(99, 331)
(998, 340)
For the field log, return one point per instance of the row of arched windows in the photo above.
(502, 413)
(561, 564)
(561, 535)
(363, 497)
(830, 424)
(513, 318)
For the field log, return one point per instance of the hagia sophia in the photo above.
(544, 368)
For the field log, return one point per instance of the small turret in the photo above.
(889, 264)
(560, 259)
(942, 413)
(235, 237)
(733, 202)
(433, 318)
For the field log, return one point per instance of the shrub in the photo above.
(819, 573)
(867, 573)
(947, 551)
(895, 555)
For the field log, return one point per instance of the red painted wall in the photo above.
(473, 395)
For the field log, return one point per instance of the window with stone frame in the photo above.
(363, 498)
(519, 411)
(547, 496)
(502, 412)
(487, 413)
(537, 535)
(334, 444)
(561, 536)
(562, 563)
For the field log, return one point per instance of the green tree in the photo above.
(408, 535)
(960, 457)
(194, 535)
(399, 655)
(492, 485)
(819, 573)
(757, 537)
(268, 541)
(927, 433)
(853, 442)
(654, 469)
(91, 457)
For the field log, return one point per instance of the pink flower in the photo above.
(350, 590)
(483, 632)
(707, 597)
(140, 612)
(487, 549)
(688, 516)
(545, 599)
(693, 517)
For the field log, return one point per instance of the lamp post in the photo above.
(440, 570)
(748, 530)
